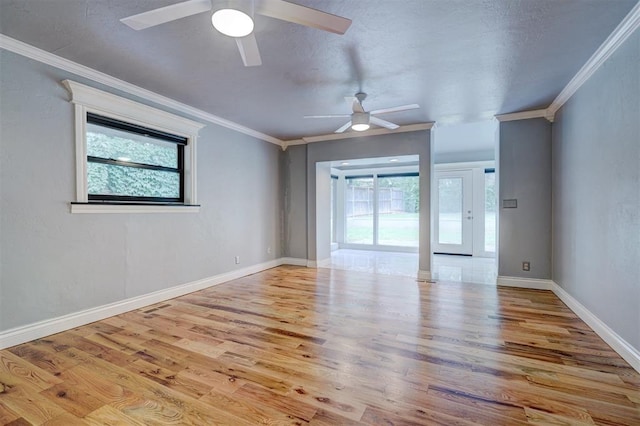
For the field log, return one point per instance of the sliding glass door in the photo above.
(382, 210)
(398, 203)
(358, 206)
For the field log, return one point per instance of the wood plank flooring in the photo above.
(303, 346)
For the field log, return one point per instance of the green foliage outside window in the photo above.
(106, 179)
(409, 185)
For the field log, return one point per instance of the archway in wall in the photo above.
(464, 214)
(368, 214)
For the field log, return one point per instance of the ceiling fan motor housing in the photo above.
(360, 121)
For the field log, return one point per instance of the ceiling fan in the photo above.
(361, 120)
(235, 19)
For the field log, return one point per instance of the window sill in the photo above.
(132, 208)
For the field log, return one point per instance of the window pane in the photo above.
(359, 210)
(106, 179)
(398, 202)
(105, 142)
(490, 212)
(450, 211)
(334, 195)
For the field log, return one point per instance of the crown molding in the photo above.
(32, 52)
(292, 142)
(522, 115)
(629, 24)
(350, 135)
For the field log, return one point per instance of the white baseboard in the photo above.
(617, 343)
(295, 261)
(532, 283)
(29, 332)
(424, 275)
(44, 328)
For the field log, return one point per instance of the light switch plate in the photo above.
(510, 204)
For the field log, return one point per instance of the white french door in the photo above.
(453, 233)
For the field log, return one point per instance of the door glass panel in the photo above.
(450, 210)
(398, 200)
(359, 210)
(490, 212)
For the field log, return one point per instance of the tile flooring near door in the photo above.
(480, 270)
(377, 262)
(468, 269)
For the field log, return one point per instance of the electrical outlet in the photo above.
(526, 266)
(268, 250)
(237, 260)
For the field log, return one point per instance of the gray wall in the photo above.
(323, 211)
(525, 174)
(54, 263)
(464, 156)
(294, 170)
(596, 193)
(369, 147)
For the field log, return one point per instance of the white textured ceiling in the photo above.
(461, 60)
(466, 137)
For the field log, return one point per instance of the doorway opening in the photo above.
(464, 201)
(374, 214)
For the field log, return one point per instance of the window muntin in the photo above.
(131, 163)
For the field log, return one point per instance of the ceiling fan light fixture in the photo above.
(232, 22)
(360, 121)
(360, 127)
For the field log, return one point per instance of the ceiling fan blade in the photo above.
(383, 123)
(166, 14)
(354, 103)
(394, 109)
(328, 116)
(302, 15)
(343, 128)
(249, 52)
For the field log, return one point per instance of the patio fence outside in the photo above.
(359, 201)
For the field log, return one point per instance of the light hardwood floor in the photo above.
(295, 346)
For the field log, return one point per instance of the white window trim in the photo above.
(88, 99)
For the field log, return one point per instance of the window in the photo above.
(382, 210)
(131, 157)
(334, 207)
(490, 203)
(133, 163)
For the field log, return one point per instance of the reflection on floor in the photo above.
(479, 270)
(378, 262)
